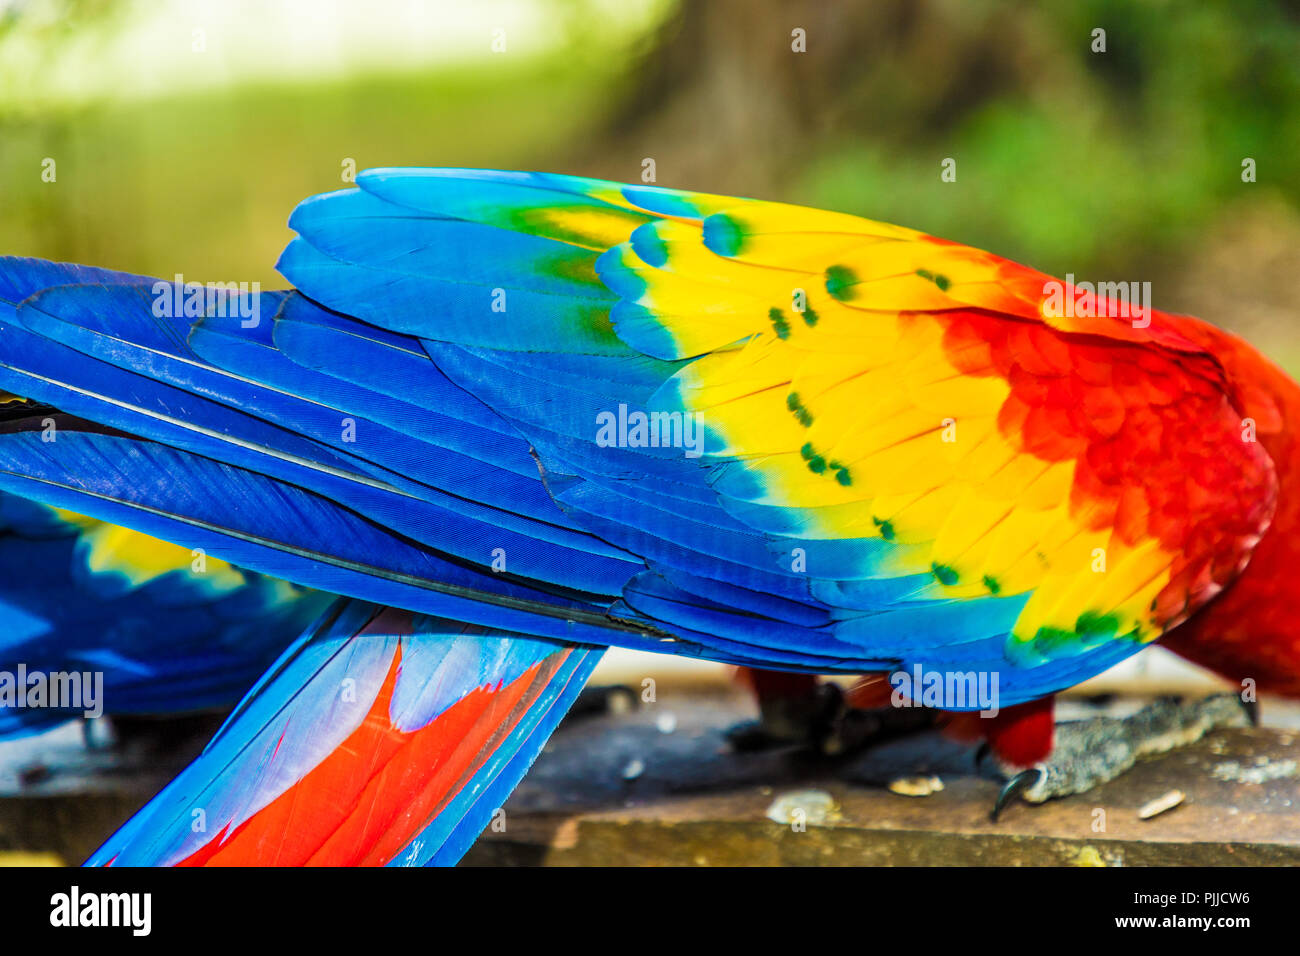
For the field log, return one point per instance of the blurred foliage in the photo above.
(1089, 159)
(1119, 165)
(55, 19)
(204, 184)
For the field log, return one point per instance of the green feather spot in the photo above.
(946, 575)
(940, 280)
(1090, 629)
(801, 414)
(574, 266)
(550, 220)
(810, 317)
(1053, 640)
(816, 463)
(886, 527)
(1094, 626)
(723, 235)
(779, 323)
(992, 584)
(839, 280)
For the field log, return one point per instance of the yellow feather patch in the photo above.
(860, 423)
(141, 558)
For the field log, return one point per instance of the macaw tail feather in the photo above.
(379, 737)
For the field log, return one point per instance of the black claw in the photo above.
(1013, 788)
(1251, 707)
(981, 754)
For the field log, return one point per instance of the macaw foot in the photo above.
(821, 720)
(798, 711)
(1089, 752)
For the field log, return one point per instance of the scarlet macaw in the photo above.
(516, 417)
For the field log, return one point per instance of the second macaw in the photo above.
(514, 418)
(99, 620)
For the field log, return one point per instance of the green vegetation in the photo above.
(203, 184)
(1082, 161)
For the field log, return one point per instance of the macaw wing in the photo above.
(222, 389)
(165, 630)
(216, 440)
(297, 475)
(380, 737)
(908, 454)
(216, 408)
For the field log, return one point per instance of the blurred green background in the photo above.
(184, 131)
